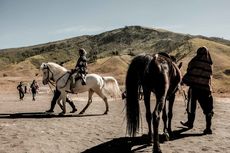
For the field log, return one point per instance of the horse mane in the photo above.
(57, 67)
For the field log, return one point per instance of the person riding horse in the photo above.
(80, 69)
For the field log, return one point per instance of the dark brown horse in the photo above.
(158, 74)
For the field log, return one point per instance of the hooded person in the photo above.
(198, 77)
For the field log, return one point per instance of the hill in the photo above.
(110, 52)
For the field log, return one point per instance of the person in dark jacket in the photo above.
(20, 91)
(198, 78)
(80, 69)
(34, 87)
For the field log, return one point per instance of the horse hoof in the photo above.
(165, 137)
(105, 113)
(148, 139)
(73, 111)
(61, 114)
(49, 111)
(157, 150)
(81, 113)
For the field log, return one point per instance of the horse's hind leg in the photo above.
(148, 113)
(105, 100)
(164, 118)
(63, 106)
(89, 101)
(170, 113)
(156, 118)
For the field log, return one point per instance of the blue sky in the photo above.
(31, 22)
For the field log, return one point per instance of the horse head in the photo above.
(52, 72)
(47, 74)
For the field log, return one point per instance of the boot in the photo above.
(208, 129)
(189, 123)
(57, 93)
(74, 109)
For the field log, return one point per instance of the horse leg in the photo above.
(170, 113)
(99, 92)
(148, 112)
(156, 118)
(59, 103)
(164, 118)
(89, 101)
(63, 98)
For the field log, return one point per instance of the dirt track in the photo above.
(94, 132)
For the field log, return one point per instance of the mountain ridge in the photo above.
(119, 43)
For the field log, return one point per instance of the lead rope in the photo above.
(185, 96)
(50, 86)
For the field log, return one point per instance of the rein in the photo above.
(52, 78)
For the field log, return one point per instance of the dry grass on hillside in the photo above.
(117, 65)
(221, 62)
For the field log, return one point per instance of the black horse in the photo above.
(155, 73)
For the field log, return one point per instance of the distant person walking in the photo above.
(198, 78)
(34, 88)
(20, 90)
(25, 89)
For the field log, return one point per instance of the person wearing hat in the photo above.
(198, 78)
(80, 69)
(20, 91)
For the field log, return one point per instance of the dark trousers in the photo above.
(57, 93)
(204, 98)
(21, 94)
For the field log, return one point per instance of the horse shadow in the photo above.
(42, 115)
(120, 145)
(133, 144)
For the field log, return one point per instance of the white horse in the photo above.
(53, 72)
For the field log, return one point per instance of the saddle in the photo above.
(168, 56)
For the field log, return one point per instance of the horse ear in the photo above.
(43, 65)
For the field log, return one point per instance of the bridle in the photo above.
(51, 80)
(48, 78)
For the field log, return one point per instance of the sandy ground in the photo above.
(36, 132)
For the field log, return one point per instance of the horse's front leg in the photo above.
(63, 98)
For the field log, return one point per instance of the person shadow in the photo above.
(179, 133)
(133, 144)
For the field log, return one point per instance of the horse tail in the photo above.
(132, 100)
(111, 87)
